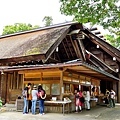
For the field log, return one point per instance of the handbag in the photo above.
(82, 99)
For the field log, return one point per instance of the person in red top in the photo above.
(79, 101)
(41, 97)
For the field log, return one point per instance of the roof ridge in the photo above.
(38, 29)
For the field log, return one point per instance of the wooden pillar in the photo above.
(79, 83)
(11, 80)
(2, 79)
(61, 85)
(23, 76)
(118, 96)
(17, 81)
(8, 87)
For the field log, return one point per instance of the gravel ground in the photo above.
(96, 113)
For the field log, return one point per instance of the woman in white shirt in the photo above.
(87, 100)
(34, 99)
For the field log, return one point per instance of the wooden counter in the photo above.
(50, 106)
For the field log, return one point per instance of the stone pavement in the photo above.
(96, 113)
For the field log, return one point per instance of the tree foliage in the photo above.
(48, 20)
(17, 27)
(101, 12)
(113, 40)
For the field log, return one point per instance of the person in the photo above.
(34, 99)
(112, 98)
(79, 102)
(41, 97)
(29, 97)
(26, 95)
(87, 99)
(107, 97)
(82, 99)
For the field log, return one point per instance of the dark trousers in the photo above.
(29, 105)
(112, 102)
(41, 106)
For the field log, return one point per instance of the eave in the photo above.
(77, 67)
(112, 51)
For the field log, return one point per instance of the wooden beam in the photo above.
(42, 82)
(69, 47)
(81, 74)
(97, 32)
(39, 71)
(54, 60)
(93, 29)
(101, 61)
(101, 36)
(77, 49)
(82, 48)
(65, 49)
(73, 44)
(105, 46)
(94, 63)
(22, 59)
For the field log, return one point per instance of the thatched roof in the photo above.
(73, 40)
(38, 42)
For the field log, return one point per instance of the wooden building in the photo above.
(61, 57)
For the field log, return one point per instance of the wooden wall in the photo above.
(11, 86)
(14, 82)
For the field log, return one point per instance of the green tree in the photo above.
(17, 27)
(48, 20)
(100, 12)
(113, 40)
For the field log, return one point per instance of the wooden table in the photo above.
(19, 104)
(60, 102)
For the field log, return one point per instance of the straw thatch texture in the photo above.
(27, 44)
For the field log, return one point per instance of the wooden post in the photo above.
(17, 80)
(61, 85)
(1, 90)
(8, 87)
(79, 82)
(118, 99)
(23, 76)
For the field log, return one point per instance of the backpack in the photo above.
(24, 93)
(82, 99)
(42, 92)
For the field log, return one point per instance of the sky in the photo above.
(30, 11)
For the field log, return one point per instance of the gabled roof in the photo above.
(39, 41)
(30, 43)
(40, 44)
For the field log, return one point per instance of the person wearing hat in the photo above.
(34, 99)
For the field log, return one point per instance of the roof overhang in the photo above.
(23, 59)
(76, 67)
(93, 72)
